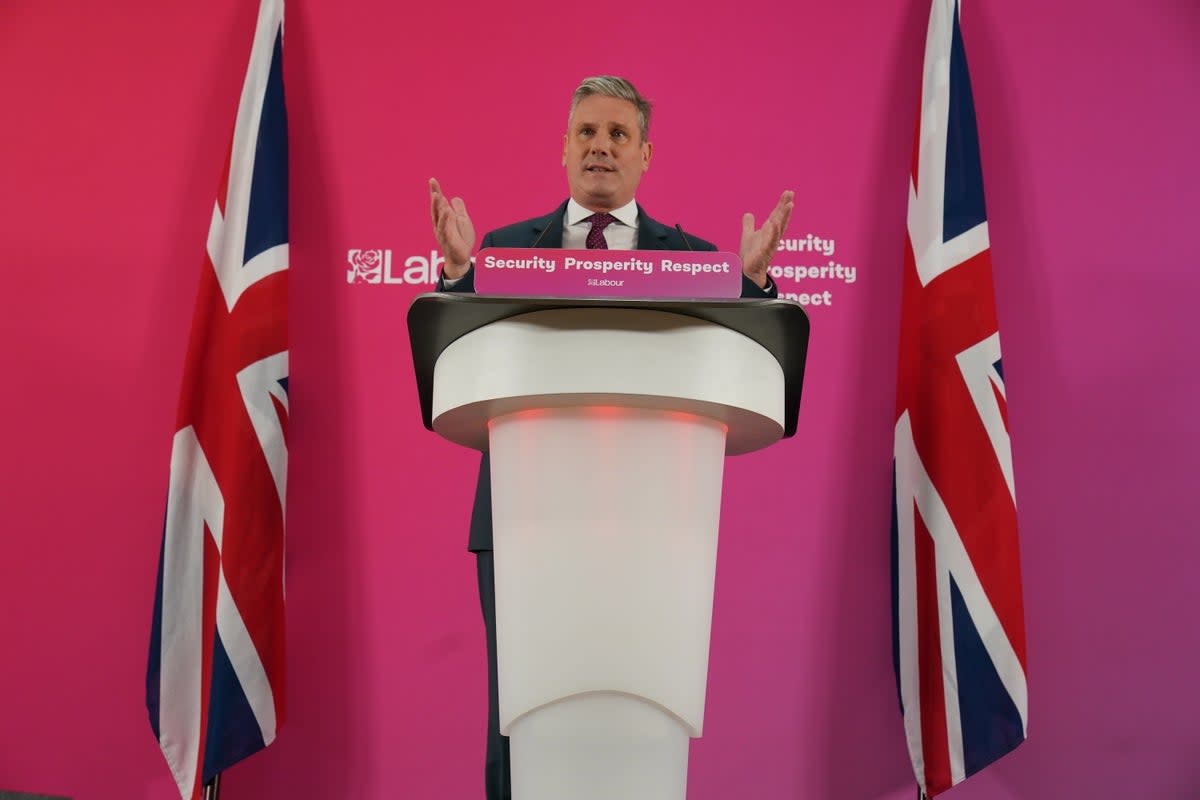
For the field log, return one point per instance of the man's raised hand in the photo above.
(453, 229)
(759, 245)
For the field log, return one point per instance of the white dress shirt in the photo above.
(621, 234)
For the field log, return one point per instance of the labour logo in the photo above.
(366, 266)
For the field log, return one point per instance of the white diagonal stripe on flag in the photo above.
(194, 500)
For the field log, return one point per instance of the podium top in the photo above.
(437, 319)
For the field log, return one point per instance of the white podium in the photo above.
(608, 423)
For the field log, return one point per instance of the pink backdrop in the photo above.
(116, 119)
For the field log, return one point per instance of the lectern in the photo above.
(607, 422)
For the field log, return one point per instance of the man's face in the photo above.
(604, 153)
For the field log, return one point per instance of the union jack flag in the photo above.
(215, 678)
(959, 630)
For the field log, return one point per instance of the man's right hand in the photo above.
(454, 231)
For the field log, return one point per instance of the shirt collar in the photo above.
(626, 214)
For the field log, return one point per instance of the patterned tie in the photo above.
(595, 237)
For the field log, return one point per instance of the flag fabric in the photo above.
(215, 677)
(959, 630)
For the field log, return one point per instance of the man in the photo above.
(605, 152)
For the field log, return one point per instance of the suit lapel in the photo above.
(652, 235)
(548, 231)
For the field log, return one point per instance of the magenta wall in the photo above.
(116, 118)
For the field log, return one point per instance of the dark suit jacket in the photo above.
(547, 231)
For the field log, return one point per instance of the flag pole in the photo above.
(212, 789)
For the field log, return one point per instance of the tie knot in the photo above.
(595, 237)
(601, 221)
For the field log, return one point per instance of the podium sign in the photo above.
(608, 273)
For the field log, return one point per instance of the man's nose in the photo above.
(601, 144)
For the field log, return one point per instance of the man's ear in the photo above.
(647, 151)
(564, 154)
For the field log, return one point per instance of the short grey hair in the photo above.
(613, 86)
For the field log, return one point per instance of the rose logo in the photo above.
(366, 266)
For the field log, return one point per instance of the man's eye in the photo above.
(586, 131)
(618, 134)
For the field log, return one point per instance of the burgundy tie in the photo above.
(595, 237)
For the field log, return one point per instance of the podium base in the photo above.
(599, 746)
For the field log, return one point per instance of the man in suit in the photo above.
(605, 153)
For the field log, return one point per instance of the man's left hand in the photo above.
(759, 245)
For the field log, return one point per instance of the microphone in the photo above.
(683, 236)
(540, 235)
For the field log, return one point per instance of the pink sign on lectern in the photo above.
(608, 273)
